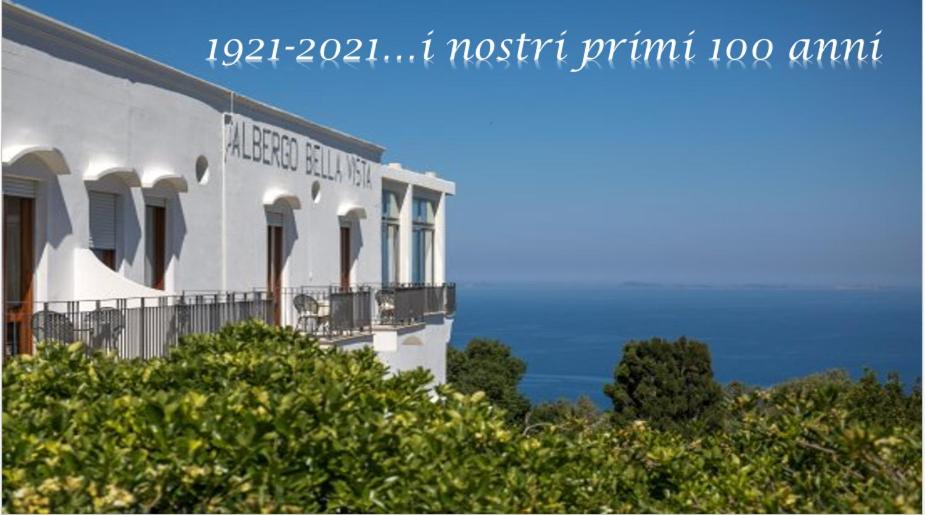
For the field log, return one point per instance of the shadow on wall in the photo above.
(51, 201)
(178, 231)
(356, 241)
(282, 213)
(291, 234)
(176, 219)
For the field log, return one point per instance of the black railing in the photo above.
(409, 303)
(144, 327)
(450, 301)
(329, 313)
(138, 327)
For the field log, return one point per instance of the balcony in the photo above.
(145, 327)
(405, 304)
(139, 327)
(330, 313)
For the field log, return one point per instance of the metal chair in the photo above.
(52, 326)
(308, 310)
(385, 300)
(182, 318)
(105, 325)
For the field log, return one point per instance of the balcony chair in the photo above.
(385, 300)
(104, 326)
(52, 326)
(309, 312)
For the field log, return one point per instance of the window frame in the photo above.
(391, 226)
(422, 240)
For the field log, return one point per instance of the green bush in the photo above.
(260, 419)
(579, 415)
(251, 419)
(866, 401)
(490, 367)
(668, 384)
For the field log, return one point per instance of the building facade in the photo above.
(142, 203)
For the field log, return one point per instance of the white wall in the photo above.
(421, 346)
(103, 111)
(97, 120)
(100, 121)
(312, 231)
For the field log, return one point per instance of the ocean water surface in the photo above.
(571, 337)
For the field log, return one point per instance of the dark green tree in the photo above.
(668, 384)
(489, 366)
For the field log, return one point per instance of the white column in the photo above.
(440, 241)
(404, 234)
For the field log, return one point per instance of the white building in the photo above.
(166, 205)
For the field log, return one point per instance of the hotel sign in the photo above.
(272, 147)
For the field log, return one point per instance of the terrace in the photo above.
(145, 327)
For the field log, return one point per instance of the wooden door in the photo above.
(345, 257)
(157, 245)
(275, 268)
(17, 273)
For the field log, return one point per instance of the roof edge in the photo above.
(55, 31)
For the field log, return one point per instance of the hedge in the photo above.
(260, 419)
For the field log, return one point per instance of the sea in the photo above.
(571, 337)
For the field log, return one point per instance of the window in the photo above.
(316, 192)
(390, 240)
(202, 170)
(422, 240)
(103, 227)
(155, 244)
(423, 211)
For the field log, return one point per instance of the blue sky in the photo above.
(707, 175)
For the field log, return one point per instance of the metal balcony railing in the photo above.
(408, 303)
(328, 313)
(450, 299)
(138, 327)
(145, 327)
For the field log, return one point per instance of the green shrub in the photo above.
(251, 419)
(579, 415)
(260, 419)
(490, 367)
(668, 384)
(867, 400)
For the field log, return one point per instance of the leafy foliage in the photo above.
(260, 419)
(668, 384)
(581, 414)
(866, 401)
(490, 367)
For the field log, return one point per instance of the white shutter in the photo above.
(102, 220)
(155, 201)
(17, 187)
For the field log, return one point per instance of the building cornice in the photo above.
(429, 180)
